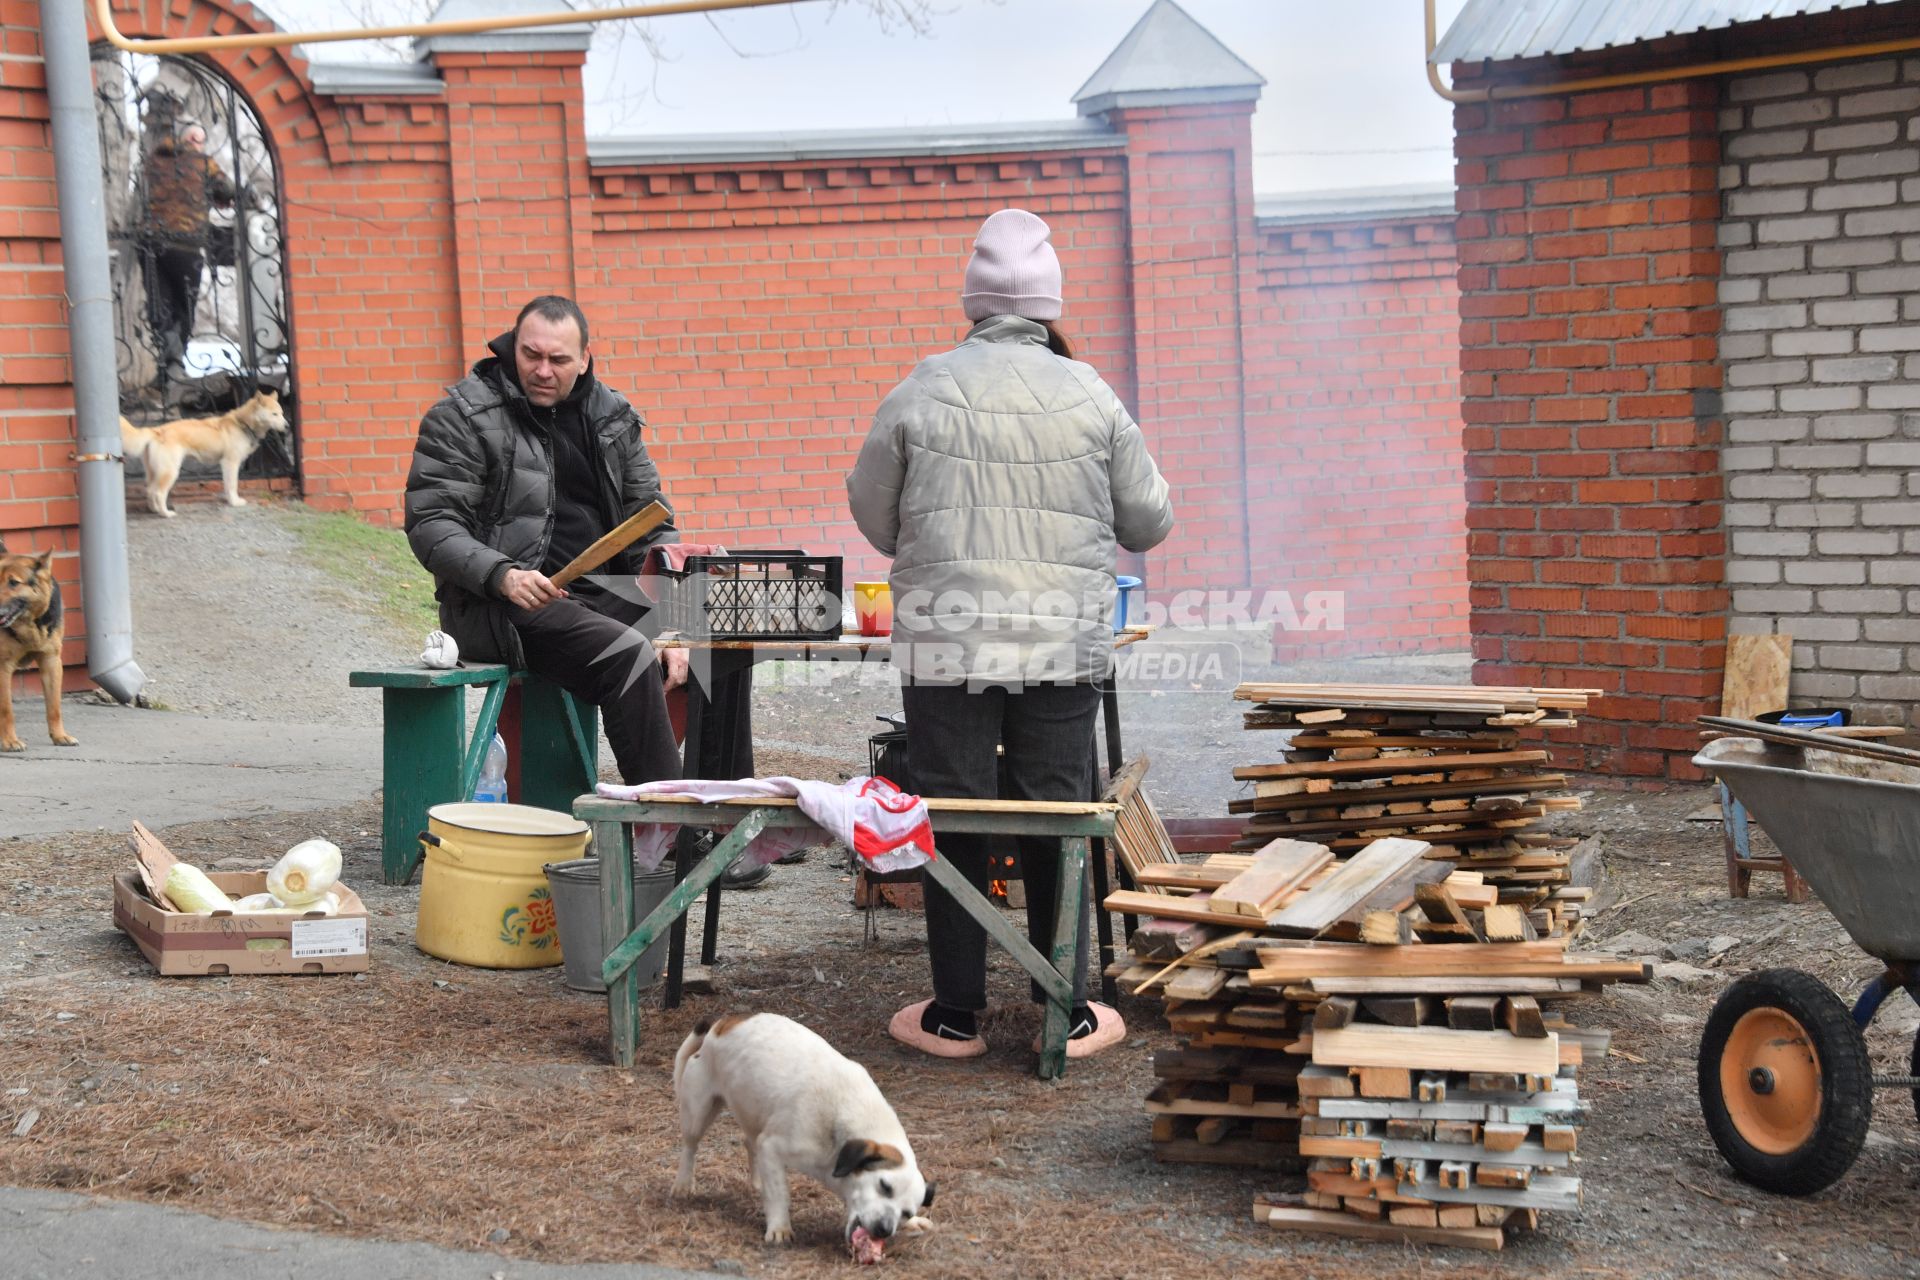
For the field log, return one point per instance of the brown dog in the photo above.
(32, 624)
(229, 438)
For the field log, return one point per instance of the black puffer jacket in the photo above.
(480, 495)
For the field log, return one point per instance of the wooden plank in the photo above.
(1389, 765)
(1356, 794)
(1386, 928)
(1436, 1048)
(1756, 675)
(1276, 869)
(1321, 1222)
(1398, 1011)
(1446, 921)
(1281, 967)
(1396, 984)
(1473, 1013)
(1505, 923)
(1196, 983)
(1336, 739)
(1521, 1016)
(1332, 1014)
(1546, 1192)
(1384, 1082)
(1346, 888)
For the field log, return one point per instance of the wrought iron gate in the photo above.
(199, 264)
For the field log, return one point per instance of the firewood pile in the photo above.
(1436, 763)
(1394, 1022)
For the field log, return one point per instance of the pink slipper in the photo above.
(906, 1028)
(1108, 1030)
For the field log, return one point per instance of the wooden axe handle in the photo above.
(630, 531)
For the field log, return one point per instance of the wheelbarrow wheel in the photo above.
(1785, 1082)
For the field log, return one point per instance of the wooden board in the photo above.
(1379, 791)
(1325, 1222)
(1391, 764)
(1436, 1048)
(1346, 888)
(1276, 869)
(1757, 671)
(1461, 984)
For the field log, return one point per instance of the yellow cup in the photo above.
(873, 608)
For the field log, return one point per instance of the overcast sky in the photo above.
(1346, 103)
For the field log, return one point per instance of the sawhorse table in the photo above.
(728, 665)
(1072, 823)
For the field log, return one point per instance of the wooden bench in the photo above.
(1072, 823)
(552, 739)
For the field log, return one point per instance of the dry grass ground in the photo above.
(472, 1108)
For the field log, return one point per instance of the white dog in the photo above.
(803, 1108)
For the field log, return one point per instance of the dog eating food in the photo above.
(802, 1108)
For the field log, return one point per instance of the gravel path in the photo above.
(230, 620)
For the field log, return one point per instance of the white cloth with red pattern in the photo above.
(888, 828)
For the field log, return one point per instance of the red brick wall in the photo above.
(758, 312)
(1353, 425)
(1589, 327)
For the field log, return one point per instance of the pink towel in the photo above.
(888, 828)
(671, 557)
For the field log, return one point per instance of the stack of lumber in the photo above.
(1438, 763)
(1387, 1020)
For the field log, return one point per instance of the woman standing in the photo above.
(1001, 476)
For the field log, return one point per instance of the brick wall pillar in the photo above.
(517, 160)
(1589, 335)
(1192, 256)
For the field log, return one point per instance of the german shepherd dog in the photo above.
(228, 438)
(32, 624)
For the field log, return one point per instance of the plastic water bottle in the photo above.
(492, 787)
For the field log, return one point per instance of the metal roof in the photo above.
(1354, 204)
(1494, 30)
(830, 144)
(1167, 59)
(374, 78)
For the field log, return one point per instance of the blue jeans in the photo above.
(952, 731)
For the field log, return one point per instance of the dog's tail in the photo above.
(134, 440)
(689, 1047)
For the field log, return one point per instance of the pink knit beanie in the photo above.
(1013, 271)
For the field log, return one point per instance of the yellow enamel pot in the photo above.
(484, 897)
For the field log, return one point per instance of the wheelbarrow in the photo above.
(1786, 1085)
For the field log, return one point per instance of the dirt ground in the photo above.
(427, 1101)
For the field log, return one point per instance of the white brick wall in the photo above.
(1820, 293)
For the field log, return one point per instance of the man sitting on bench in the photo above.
(524, 464)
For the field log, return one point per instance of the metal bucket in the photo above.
(483, 900)
(576, 904)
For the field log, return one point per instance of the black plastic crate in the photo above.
(756, 595)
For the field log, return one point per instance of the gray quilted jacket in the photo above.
(1000, 478)
(480, 495)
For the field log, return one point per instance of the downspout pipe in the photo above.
(96, 389)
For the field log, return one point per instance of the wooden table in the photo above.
(1073, 823)
(710, 750)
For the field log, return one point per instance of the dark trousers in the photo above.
(173, 294)
(1047, 731)
(591, 646)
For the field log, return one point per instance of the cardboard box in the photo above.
(182, 944)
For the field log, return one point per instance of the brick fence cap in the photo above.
(567, 39)
(1168, 59)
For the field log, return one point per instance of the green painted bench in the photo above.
(1072, 823)
(552, 738)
